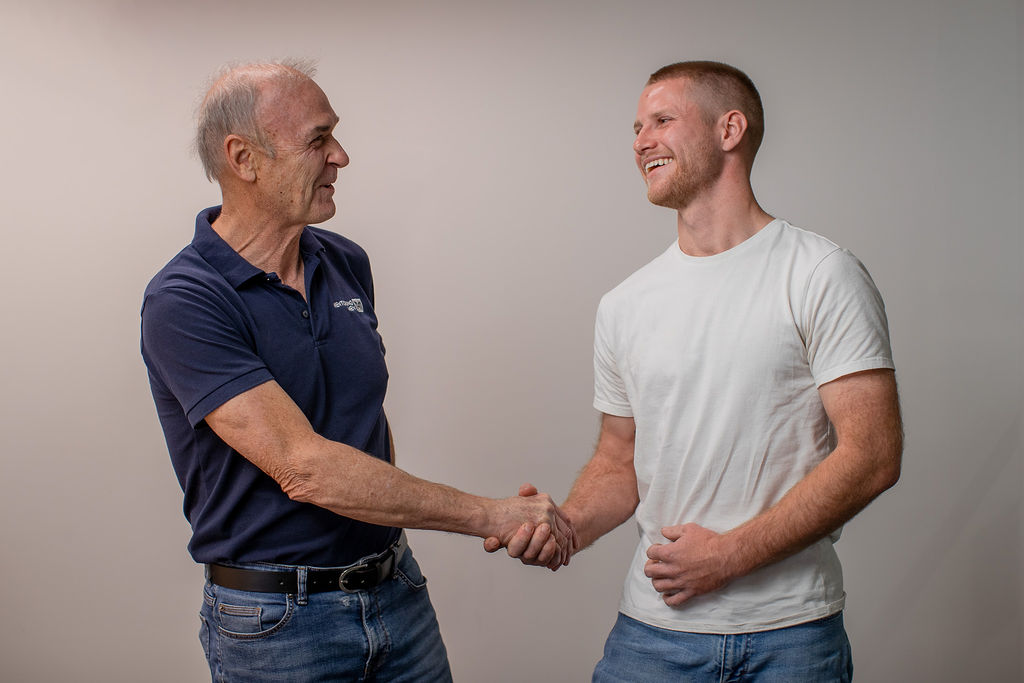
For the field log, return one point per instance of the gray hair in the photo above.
(231, 104)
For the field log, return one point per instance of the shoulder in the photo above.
(186, 269)
(810, 247)
(640, 280)
(187, 280)
(813, 257)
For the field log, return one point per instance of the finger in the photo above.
(666, 586)
(676, 599)
(672, 533)
(656, 570)
(561, 533)
(560, 553)
(548, 552)
(492, 544)
(538, 542)
(527, 490)
(521, 540)
(556, 563)
(560, 559)
(654, 552)
(574, 542)
(565, 528)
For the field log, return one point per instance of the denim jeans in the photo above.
(386, 633)
(817, 651)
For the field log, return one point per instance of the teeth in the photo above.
(656, 162)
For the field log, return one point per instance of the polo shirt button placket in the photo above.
(305, 313)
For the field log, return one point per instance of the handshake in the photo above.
(546, 539)
(692, 561)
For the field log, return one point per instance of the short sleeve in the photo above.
(844, 323)
(609, 389)
(199, 351)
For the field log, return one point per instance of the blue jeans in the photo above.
(817, 651)
(387, 633)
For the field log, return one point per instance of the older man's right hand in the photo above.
(540, 535)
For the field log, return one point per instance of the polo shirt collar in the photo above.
(309, 244)
(228, 262)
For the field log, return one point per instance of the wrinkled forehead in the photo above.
(295, 107)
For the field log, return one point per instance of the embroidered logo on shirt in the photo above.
(350, 304)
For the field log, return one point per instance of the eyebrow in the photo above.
(320, 130)
(653, 115)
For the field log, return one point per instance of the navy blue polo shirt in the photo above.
(215, 326)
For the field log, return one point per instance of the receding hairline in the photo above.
(260, 74)
(232, 101)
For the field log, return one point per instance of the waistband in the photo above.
(364, 574)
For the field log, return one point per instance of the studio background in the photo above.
(493, 186)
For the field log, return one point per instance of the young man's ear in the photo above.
(734, 127)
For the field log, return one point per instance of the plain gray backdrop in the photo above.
(492, 184)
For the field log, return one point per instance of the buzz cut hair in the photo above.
(721, 88)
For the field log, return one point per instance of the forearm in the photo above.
(829, 496)
(603, 497)
(353, 484)
(265, 426)
(864, 410)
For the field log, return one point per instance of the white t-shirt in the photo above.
(718, 359)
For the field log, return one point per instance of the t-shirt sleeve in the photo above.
(198, 350)
(609, 389)
(845, 327)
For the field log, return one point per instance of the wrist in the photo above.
(484, 517)
(578, 521)
(735, 553)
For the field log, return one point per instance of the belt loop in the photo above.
(303, 595)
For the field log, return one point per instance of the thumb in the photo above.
(491, 544)
(527, 490)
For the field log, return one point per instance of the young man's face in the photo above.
(675, 147)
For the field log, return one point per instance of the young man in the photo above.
(749, 410)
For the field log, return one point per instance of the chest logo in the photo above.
(350, 304)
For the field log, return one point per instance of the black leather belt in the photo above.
(362, 575)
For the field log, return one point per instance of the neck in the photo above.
(266, 244)
(720, 219)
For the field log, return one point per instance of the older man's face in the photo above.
(297, 185)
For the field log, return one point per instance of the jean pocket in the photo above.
(246, 616)
(408, 572)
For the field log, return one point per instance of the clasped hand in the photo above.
(547, 539)
(695, 561)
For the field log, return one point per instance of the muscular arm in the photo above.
(269, 429)
(864, 410)
(605, 494)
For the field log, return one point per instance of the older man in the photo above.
(749, 410)
(268, 373)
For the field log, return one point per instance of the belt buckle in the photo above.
(357, 578)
